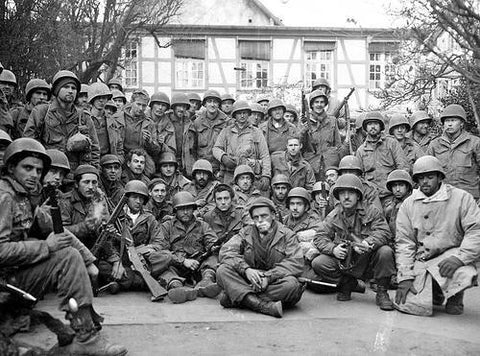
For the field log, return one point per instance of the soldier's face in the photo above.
(158, 109)
(280, 191)
(399, 132)
(223, 200)
(27, 172)
(168, 169)
(429, 183)
(88, 185)
(264, 104)
(297, 207)
(119, 103)
(159, 192)
(54, 176)
(373, 128)
(452, 125)
(319, 105)
(348, 198)
(244, 182)
(256, 118)
(179, 111)
(115, 86)
(293, 146)
(135, 202)
(7, 89)
(194, 106)
(99, 102)
(421, 127)
(277, 114)
(39, 96)
(331, 177)
(399, 189)
(289, 117)
(111, 171)
(212, 105)
(242, 116)
(263, 218)
(139, 106)
(82, 100)
(227, 106)
(202, 178)
(185, 214)
(67, 93)
(137, 164)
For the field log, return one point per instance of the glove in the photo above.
(228, 162)
(264, 183)
(403, 288)
(449, 265)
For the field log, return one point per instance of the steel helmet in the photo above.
(211, 94)
(262, 202)
(240, 106)
(281, 179)
(453, 111)
(427, 164)
(7, 76)
(350, 162)
(59, 159)
(194, 96)
(168, 157)
(85, 169)
(36, 84)
(255, 107)
(319, 186)
(397, 120)
(116, 81)
(25, 147)
(298, 192)
(202, 165)
(64, 74)
(137, 186)
(263, 98)
(180, 99)
(275, 103)
(183, 199)
(373, 116)
(226, 97)
(348, 181)
(292, 109)
(418, 116)
(98, 89)
(160, 97)
(5, 138)
(399, 175)
(111, 104)
(316, 94)
(118, 94)
(243, 169)
(83, 89)
(319, 82)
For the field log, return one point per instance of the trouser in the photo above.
(288, 290)
(380, 261)
(132, 280)
(63, 271)
(183, 274)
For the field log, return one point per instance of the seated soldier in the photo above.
(400, 184)
(280, 188)
(181, 240)
(158, 204)
(54, 177)
(42, 265)
(110, 182)
(291, 163)
(331, 175)
(5, 140)
(321, 199)
(352, 238)
(169, 172)
(202, 185)
(135, 166)
(259, 266)
(437, 242)
(244, 188)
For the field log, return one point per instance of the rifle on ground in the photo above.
(316, 282)
(15, 290)
(336, 113)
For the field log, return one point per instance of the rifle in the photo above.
(308, 146)
(314, 281)
(323, 193)
(139, 265)
(351, 259)
(336, 113)
(51, 192)
(10, 288)
(349, 128)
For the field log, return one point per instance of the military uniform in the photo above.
(177, 184)
(20, 118)
(163, 134)
(225, 224)
(113, 190)
(111, 135)
(203, 196)
(128, 175)
(412, 150)
(299, 171)
(159, 211)
(277, 137)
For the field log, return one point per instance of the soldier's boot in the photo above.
(360, 287)
(225, 301)
(454, 304)
(382, 299)
(345, 287)
(253, 302)
(180, 294)
(207, 286)
(88, 341)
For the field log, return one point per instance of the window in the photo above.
(255, 61)
(381, 68)
(318, 61)
(189, 63)
(130, 74)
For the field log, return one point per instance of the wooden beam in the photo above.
(350, 72)
(219, 63)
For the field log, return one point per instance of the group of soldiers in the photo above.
(248, 202)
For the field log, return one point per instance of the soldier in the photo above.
(353, 237)
(135, 167)
(82, 99)
(420, 122)
(321, 200)
(110, 174)
(158, 205)
(291, 115)
(115, 84)
(257, 114)
(400, 184)
(398, 128)
(244, 187)
(263, 101)
(380, 154)
(322, 143)
(181, 123)
(242, 143)
(54, 263)
(280, 188)
(37, 92)
(291, 163)
(276, 129)
(6, 121)
(5, 140)
(62, 126)
(331, 175)
(227, 104)
(169, 172)
(58, 170)
(437, 242)
(180, 239)
(458, 151)
(195, 104)
(202, 185)
(323, 85)
(259, 265)
(119, 99)
(359, 135)
(8, 85)
(110, 132)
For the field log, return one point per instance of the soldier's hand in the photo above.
(263, 284)
(191, 264)
(118, 271)
(340, 251)
(161, 139)
(254, 276)
(56, 242)
(403, 288)
(362, 248)
(91, 223)
(147, 136)
(228, 162)
(449, 265)
(92, 271)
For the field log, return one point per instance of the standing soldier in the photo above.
(323, 85)
(195, 105)
(280, 188)
(6, 121)
(227, 104)
(458, 151)
(109, 182)
(259, 265)
(82, 98)
(37, 92)
(257, 114)
(242, 143)
(202, 185)
(115, 84)
(169, 172)
(276, 129)
(181, 124)
(59, 168)
(62, 126)
(135, 167)
(291, 115)
(8, 85)
(119, 99)
(420, 122)
(263, 101)
(398, 128)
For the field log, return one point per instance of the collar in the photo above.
(17, 187)
(441, 194)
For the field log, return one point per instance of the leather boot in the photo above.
(454, 304)
(382, 299)
(360, 287)
(88, 340)
(345, 287)
(225, 301)
(207, 286)
(180, 294)
(253, 302)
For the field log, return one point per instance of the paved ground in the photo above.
(318, 325)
